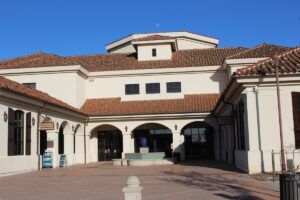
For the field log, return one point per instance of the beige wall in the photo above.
(69, 87)
(163, 52)
(191, 83)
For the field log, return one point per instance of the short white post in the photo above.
(133, 190)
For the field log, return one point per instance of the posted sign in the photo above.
(63, 160)
(47, 160)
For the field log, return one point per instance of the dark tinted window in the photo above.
(241, 131)
(152, 88)
(30, 85)
(174, 87)
(296, 116)
(15, 132)
(153, 52)
(132, 89)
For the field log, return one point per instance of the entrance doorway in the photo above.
(110, 145)
(43, 142)
(156, 137)
(198, 141)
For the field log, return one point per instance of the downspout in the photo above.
(233, 127)
(38, 139)
(38, 136)
(84, 135)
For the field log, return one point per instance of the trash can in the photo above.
(176, 157)
(289, 186)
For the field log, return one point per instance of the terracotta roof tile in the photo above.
(183, 58)
(153, 37)
(114, 106)
(12, 86)
(39, 59)
(113, 62)
(289, 64)
(261, 51)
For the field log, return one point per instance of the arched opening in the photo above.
(78, 147)
(46, 122)
(155, 137)
(61, 138)
(198, 140)
(109, 143)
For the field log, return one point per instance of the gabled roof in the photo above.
(14, 87)
(289, 64)
(39, 59)
(261, 51)
(114, 106)
(153, 38)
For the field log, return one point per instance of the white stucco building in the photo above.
(176, 90)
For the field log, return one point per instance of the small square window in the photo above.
(152, 88)
(174, 87)
(132, 89)
(154, 52)
(30, 85)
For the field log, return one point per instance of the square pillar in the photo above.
(69, 146)
(52, 146)
(128, 143)
(178, 144)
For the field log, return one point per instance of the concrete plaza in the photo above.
(197, 180)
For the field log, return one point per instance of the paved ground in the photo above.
(202, 180)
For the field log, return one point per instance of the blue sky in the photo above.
(72, 27)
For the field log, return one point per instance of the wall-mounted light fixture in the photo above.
(33, 121)
(126, 128)
(57, 125)
(175, 127)
(5, 116)
(73, 128)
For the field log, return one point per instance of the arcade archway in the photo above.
(107, 142)
(157, 137)
(198, 140)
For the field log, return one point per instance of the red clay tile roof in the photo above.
(183, 58)
(39, 59)
(289, 64)
(153, 37)
(113, 62)
(261, 51)
(114, 106)
(12, 86)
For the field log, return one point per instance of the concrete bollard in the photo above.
(133, 190)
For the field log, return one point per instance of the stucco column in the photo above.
(128, 143)
(87, 142)
(69, 146)
(4, 132)
(52, 146)
(178, 144)
(79, 148)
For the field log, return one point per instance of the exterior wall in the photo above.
(163, 52)
(262, 129)
(23, 163)
(20, 163)
(114, 86)
(68, 87)
(188, 41)
(127, 48)
(264, 133)
(184, 44)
